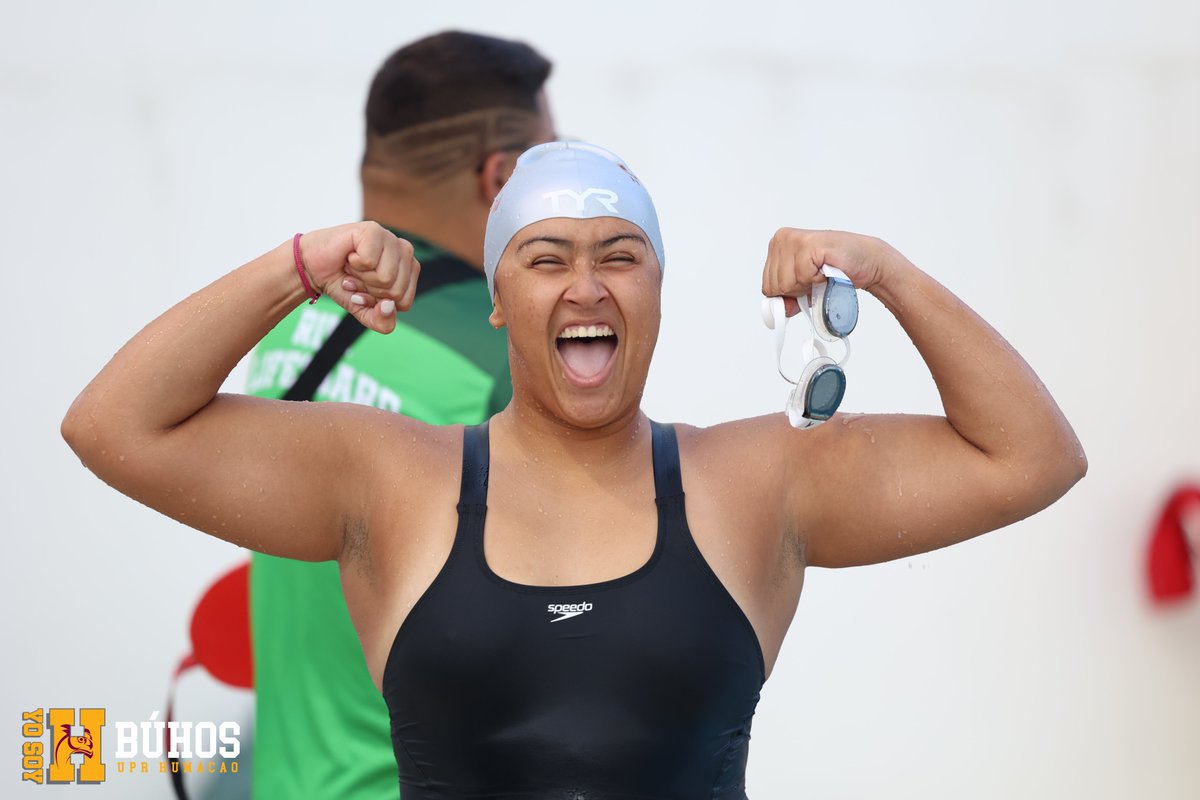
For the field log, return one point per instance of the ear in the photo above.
(496, 318)
(497, 167)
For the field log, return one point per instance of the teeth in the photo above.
(586, 332)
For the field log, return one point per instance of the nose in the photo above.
(586, 289)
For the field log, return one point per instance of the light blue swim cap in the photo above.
(575, 180)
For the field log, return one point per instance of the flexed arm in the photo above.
(280, 478)
(868, 488)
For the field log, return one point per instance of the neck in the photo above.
(563, 449)
(456, 227)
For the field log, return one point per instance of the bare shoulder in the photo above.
(416, 469)
(759, 471)
(737, 434)
(387, 467)
(747, 446)
(383, 442)
(415, 459)
(412, 442)
(770, 443)
(735, 486)
(736, 465)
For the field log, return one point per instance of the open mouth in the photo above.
(587, 352)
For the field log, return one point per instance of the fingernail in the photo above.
(357, 299)
(348, 285)
(387, 307)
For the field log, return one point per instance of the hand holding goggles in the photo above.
(832, 315)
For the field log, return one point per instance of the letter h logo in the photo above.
(76, 755)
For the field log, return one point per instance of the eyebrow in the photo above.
(567, 243)
(547, 239)
(619, 237)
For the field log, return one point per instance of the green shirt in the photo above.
(322, 729)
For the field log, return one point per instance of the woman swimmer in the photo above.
(596, 638)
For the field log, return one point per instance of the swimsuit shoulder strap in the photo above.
(667, 482)
(473, 490)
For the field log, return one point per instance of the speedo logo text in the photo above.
(566, 611)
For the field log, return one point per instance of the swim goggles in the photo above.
(832, 314)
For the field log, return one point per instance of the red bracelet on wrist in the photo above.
(308, 287)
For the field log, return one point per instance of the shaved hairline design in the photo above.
(437, 150)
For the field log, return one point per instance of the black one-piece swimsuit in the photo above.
(639, 687)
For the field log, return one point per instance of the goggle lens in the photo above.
(825, 392)
(840, 307)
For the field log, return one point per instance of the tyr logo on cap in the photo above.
(605, 197)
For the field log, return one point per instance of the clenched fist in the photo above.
(365, 269)
(795, 258)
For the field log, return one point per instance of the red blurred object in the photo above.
(221, 629)
(221, 634)
(1169, 559)
(220, 643)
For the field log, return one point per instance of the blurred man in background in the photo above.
(446, 118)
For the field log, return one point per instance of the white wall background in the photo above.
(1041, 159)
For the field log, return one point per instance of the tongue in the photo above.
(586, 357)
